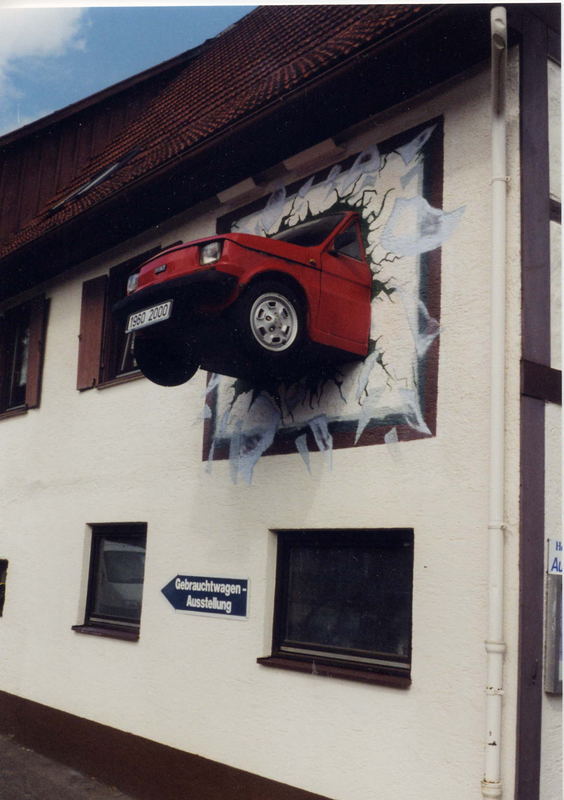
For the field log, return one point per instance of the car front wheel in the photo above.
(167, 361)
(271, 321)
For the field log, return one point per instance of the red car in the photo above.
(245, 305)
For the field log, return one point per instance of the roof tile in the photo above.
(267, 54)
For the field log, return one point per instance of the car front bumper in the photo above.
(202, 287)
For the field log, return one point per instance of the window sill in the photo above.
(131, 376)
(314, 667)
(13, 412)
(110, 633)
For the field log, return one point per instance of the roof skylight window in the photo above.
(96, 180)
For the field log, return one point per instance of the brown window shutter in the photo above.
(91, 332)
(37, 332)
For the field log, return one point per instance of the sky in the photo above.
(51, 57)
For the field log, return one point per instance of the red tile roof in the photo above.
(259, 60)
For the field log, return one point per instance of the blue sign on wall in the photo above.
(226, 597)
(555, 556)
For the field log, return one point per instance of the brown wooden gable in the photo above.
(36, 167)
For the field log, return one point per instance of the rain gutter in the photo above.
(491, 785)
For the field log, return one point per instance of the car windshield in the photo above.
(310, 234)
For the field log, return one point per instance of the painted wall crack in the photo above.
(386, 397)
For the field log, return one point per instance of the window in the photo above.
(343, 603)
(310, 234)
(3, 573)
(115, 581)
(105, 351)
(105, 354)
(119, 358)
(22, 335)
(348, 243)
(101, 176)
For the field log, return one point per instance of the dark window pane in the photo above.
(126, 361)
(15, 357)
(105, 350)
(346, 595)
(3, 573)
(310, 234)
(118, 564)
(119, 345)
(347, 242)
(336, 598)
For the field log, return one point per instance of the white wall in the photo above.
(551, 749)
(132, 453)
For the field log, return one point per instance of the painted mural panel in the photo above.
(390, 396)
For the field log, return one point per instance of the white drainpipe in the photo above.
(495, 646)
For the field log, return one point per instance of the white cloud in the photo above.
(27, 35)
(38, 32)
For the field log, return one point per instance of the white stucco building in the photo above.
(353, 516)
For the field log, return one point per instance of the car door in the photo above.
(346, 280)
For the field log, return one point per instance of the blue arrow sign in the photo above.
(225, 597)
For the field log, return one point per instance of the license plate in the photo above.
(149, 316)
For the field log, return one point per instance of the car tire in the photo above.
(271, 322)
(166, 361)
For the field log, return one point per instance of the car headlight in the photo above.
(132, 282)
(210, 253)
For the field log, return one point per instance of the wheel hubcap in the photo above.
(274, 322)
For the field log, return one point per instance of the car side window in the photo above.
(347, 242)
